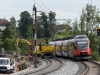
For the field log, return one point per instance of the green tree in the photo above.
(29, 32)
(46, 25)
(75, 27)
(25, 22)
(13, 21)
(52, 24)
(40, 30)
(13, 26)
(8, 33)
(67, 32)
(90, 19)
(9, 44)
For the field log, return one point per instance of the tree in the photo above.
(90, 19)
(46, 25)
(68, 30)
(76, 30)
(40, 30)
(13, 25)
(52, 24)
(13, 21)
(9, 44)
(8, 33)
(29, 32)
(25, 22)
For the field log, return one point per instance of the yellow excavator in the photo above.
(29, 44)
(47, 50)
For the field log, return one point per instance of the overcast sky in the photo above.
(64, 8)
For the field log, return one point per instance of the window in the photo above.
(4, 62)
(82, 44)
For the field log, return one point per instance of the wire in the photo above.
(44, 5)
(39, 6)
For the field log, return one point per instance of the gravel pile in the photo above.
(69, 68)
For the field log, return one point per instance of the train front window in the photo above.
(82, 45)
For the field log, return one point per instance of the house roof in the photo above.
(3, 22)
(62, 27)
(39, 18)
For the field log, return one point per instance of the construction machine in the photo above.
(47, 50)
(29, 44)
(43, 49)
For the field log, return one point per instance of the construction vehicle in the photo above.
(29, 44)
(47, 50)
(24, 41)
(43, 49)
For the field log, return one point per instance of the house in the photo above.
(3, 23)
(39, 18)
(61, 28)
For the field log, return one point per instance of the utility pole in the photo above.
(35, 36)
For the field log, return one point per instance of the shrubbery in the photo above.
(95, 56)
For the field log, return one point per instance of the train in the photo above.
(77, 47)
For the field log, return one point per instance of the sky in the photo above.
(64, 9)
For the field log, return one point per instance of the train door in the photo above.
(71, 49)
(64, 48)
(58, 48)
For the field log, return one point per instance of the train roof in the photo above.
(69, 38)
(56, 39)
(80, 36)
(51, 42)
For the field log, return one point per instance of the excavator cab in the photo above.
(46, 49)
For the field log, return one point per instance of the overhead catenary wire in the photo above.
(39, 6)
(8, 11)
(44, 5)
(50, 10)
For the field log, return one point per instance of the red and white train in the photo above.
(77, 47)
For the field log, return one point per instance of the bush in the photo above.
(95, 56)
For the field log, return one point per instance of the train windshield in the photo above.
(82, 45)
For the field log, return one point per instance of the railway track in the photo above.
(52, 66)
(88, 68)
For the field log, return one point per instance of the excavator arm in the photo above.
(24, 41)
